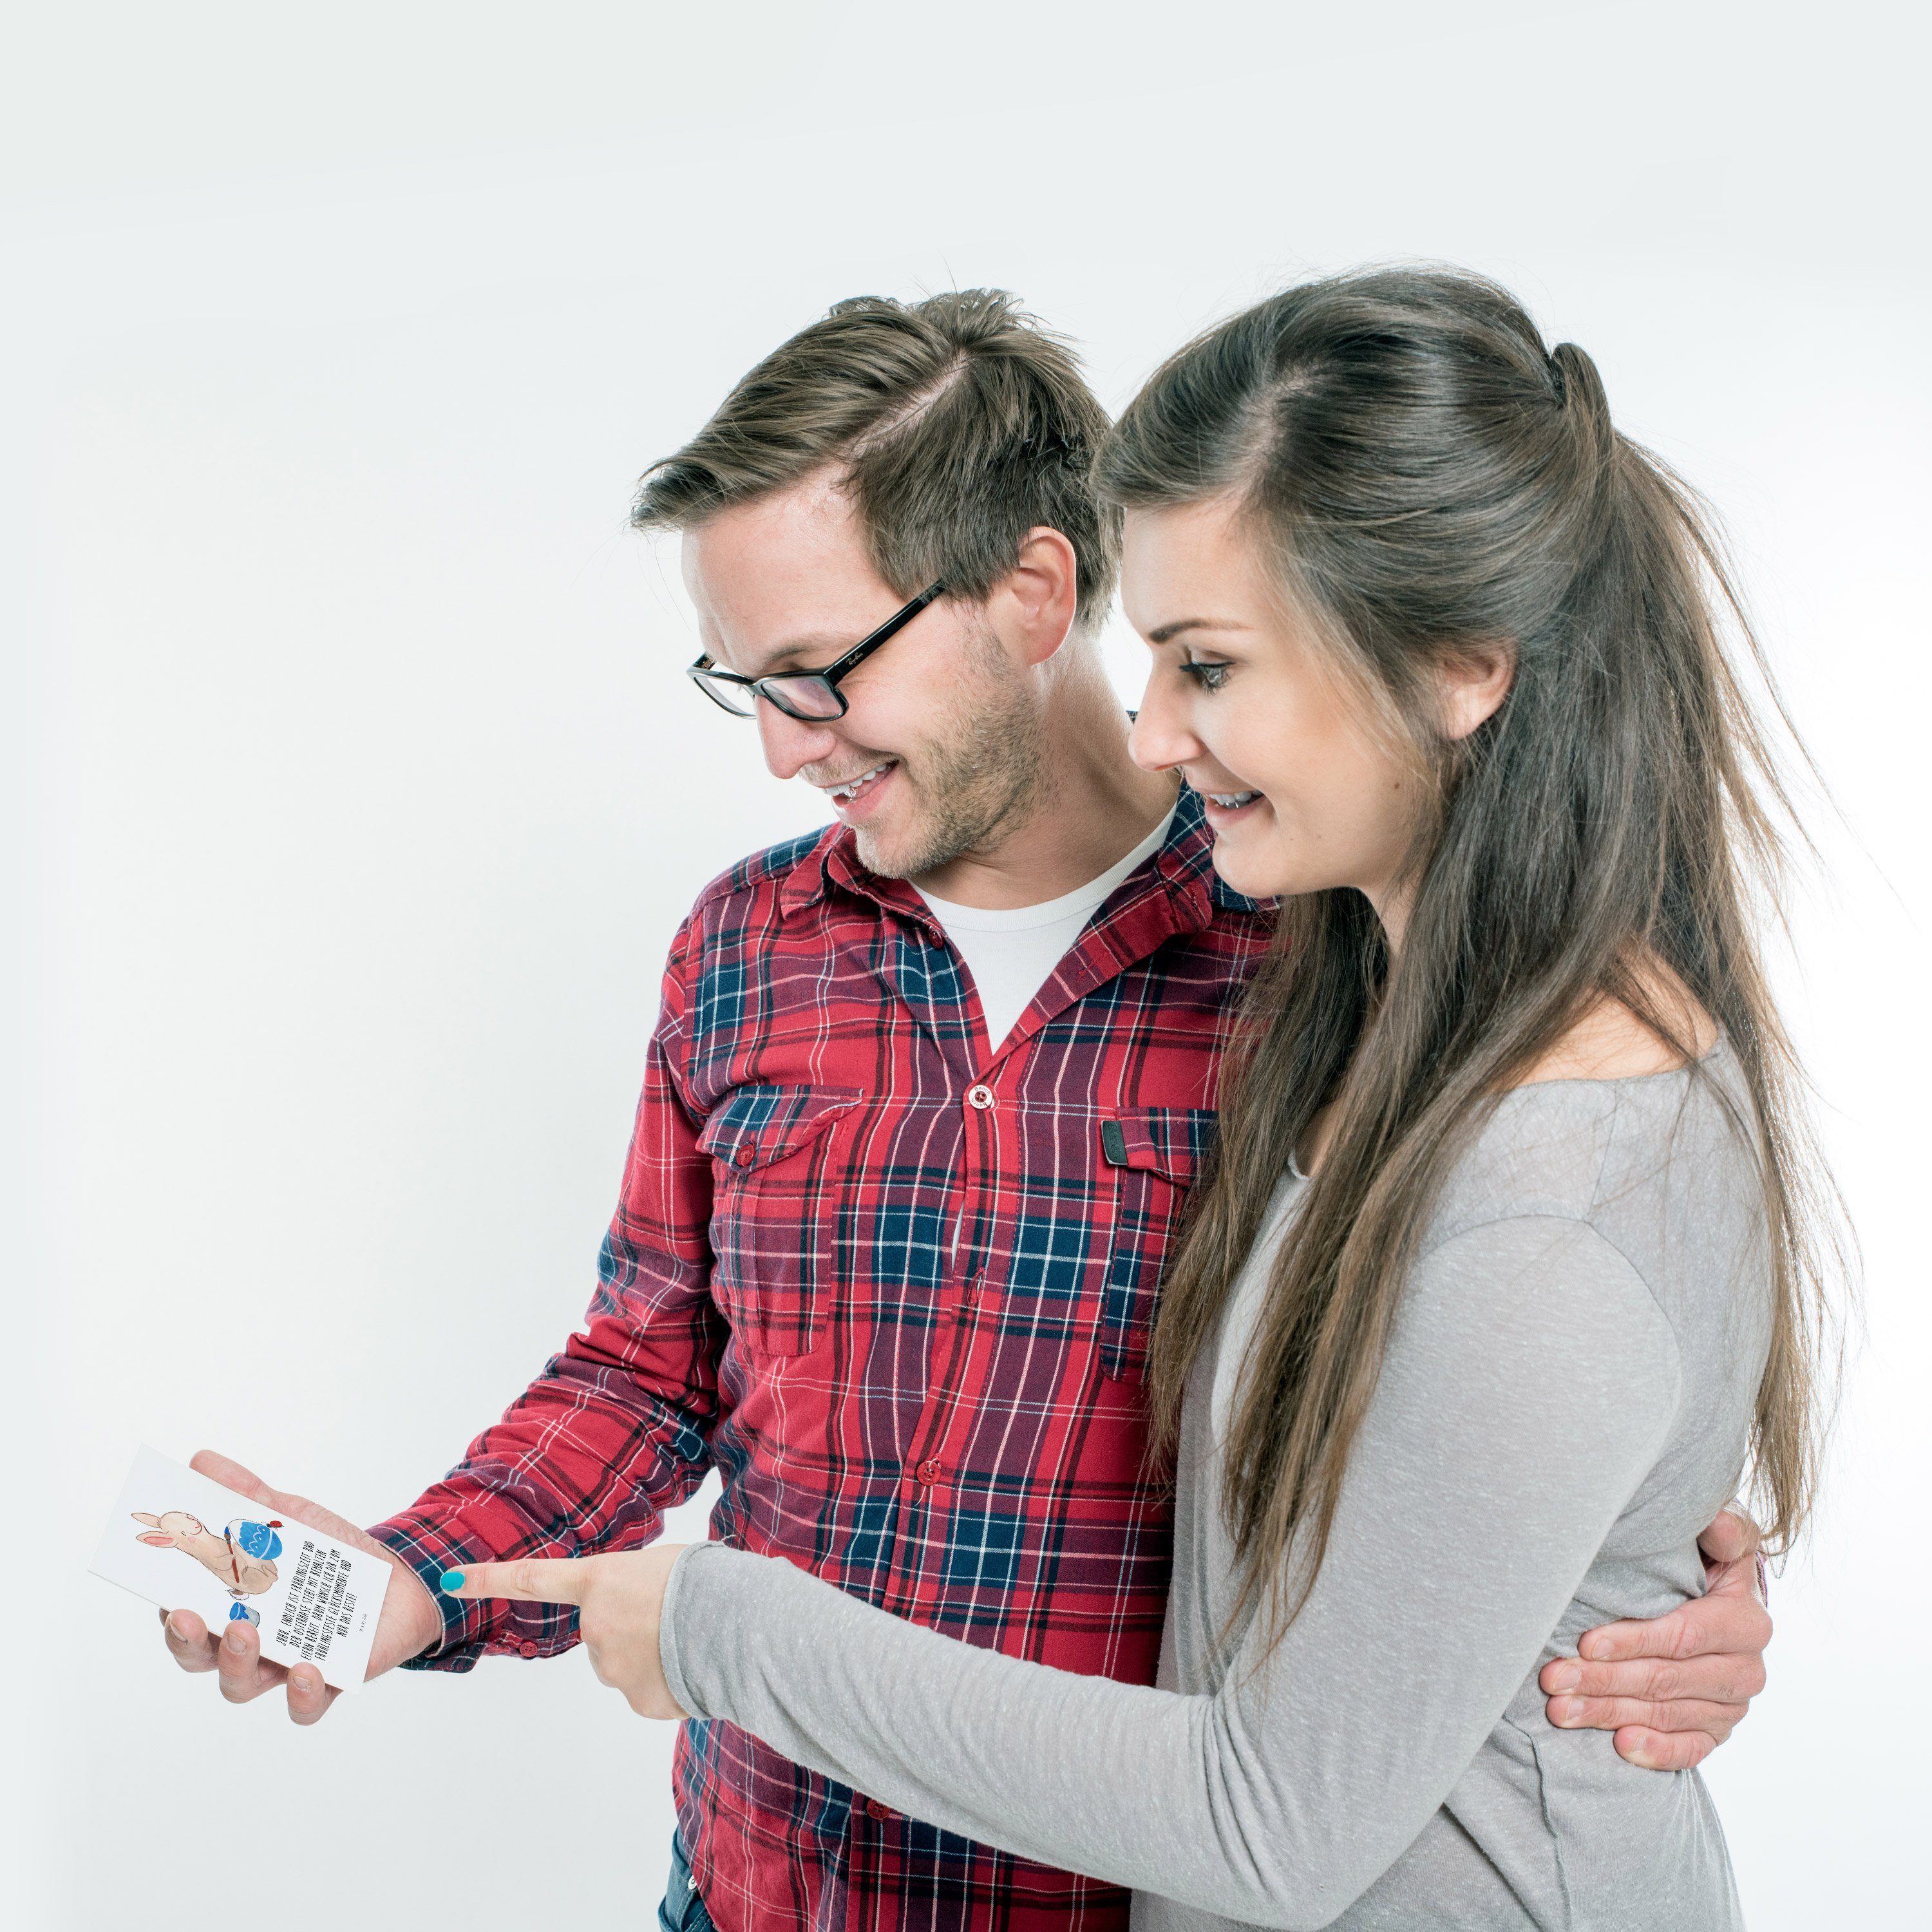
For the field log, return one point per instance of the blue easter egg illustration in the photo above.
(241, 1613)
(256, 1539)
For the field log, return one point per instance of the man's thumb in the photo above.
(1732, 1538)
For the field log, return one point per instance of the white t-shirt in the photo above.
(1010, 953)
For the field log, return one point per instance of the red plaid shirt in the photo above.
(898, 1289)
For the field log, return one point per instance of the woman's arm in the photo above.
(1482, 1486)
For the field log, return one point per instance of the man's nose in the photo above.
(791, 743)
(1162, 736)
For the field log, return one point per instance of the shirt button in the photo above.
(874, 1809)
(744, 1157)
(980, 1096)
(526, 1649)
(929, 1471)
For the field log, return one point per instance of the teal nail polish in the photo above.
(452, 1579)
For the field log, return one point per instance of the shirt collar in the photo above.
(1184, 864)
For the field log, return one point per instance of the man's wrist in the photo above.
(415, 1618)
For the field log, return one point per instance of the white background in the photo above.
(355, 789)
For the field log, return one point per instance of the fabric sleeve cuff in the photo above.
(472, 1628)
(694, 1601)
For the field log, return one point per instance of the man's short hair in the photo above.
(957, 423)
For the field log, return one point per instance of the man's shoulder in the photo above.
(756, 881)
(1188, 860)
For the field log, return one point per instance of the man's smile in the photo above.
(852, 795)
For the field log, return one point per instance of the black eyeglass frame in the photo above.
(830, 677)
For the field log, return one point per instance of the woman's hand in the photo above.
(620, 1600)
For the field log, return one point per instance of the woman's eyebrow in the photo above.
(1167, 633)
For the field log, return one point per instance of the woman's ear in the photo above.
(1475, 681)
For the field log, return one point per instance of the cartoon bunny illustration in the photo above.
(242, 1556)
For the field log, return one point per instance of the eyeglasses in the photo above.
(811, 695)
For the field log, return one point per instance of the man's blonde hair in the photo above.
(958, 424)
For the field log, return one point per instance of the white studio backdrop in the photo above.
(356, 789)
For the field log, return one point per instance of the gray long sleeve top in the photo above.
(1564, 1406)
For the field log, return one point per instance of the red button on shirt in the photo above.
(980, 1096)
(746, 1156)
(874, 1809)
(526, 1649)
(929, 1471)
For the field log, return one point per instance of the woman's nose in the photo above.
(1160, 738)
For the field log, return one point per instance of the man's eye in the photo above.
(1210, 674)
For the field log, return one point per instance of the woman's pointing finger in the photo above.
(529, 1579)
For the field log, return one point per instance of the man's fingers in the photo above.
(1726, 1621)
(1720, 1679)
(1737, 1583)
(530, 1579)
(1615, 1714)
(309, 1697)
(244, 1674)
(231, 1475)
(236, 1653)
(1663, 1751)
(188, 1640)
(1731, 1538)
(1615, 1643)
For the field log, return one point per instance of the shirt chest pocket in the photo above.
(776, 1197)
(1154, 1152)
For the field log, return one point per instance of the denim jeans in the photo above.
(682, 1910)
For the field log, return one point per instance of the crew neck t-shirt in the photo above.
(1010, 953)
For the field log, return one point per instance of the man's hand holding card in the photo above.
(263, 1588)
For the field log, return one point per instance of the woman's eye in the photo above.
(1209, 674)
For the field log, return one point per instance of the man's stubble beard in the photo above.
(980, 777)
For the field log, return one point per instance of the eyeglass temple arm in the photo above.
(884, 635)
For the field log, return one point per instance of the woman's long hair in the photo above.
(1426, 479)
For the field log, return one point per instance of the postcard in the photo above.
(185, 1543)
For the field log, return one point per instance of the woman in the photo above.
(1440, 648)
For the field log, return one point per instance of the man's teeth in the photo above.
(1231, 798)
(850, 789)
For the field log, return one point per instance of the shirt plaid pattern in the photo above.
(897, 1287)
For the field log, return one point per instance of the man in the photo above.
(924, 1099)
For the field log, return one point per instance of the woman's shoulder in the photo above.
(1610, 1102)
(1617, 1081)
(1651, 1150)
(1610, 1040)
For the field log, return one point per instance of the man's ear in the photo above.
(1475, 681)
(1032, 608)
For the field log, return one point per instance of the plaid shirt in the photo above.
(898, 1289)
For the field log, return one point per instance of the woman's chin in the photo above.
(1250, 874)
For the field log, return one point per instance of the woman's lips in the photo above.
(1226, 808)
